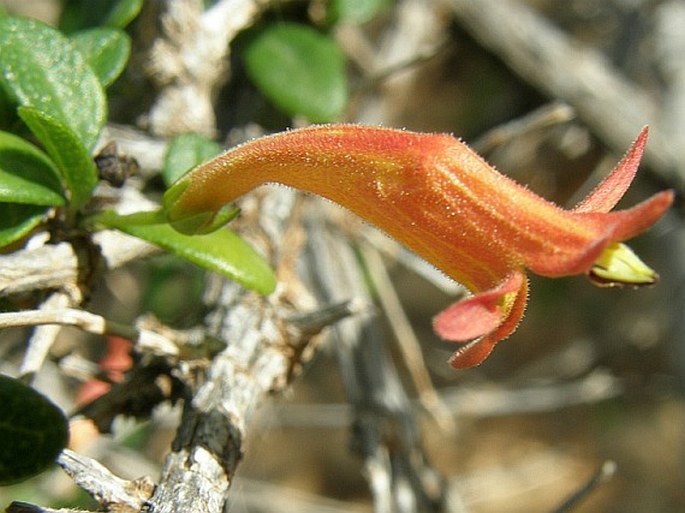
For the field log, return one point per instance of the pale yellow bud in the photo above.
(618, 265)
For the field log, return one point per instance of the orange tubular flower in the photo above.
(443, 201)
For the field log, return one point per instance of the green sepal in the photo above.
(185, 152)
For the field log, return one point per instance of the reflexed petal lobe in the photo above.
(605, 196)
(477, 315)
(475, 352)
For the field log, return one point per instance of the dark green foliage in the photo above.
(32, 429)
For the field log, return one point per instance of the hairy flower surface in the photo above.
(443, 201)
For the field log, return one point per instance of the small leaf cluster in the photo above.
(48, 82)
(53, 107)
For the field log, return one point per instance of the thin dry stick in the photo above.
(407, 341)
(565, 69)
(60, 267)
(43, 337)
(57, 266)
(87, 321)
(25, 507)
(108, 489)
(605, 472)
(544, 117)
(112, 492)
(385, 429)
(147, 341)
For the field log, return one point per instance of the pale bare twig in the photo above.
(112, 492)
(86, 321)
(603, 474)
(25, 507)
(542, 118)
(146, 340)
(43, 337)
(66, 268)
(189, 61)
(407, 341)
(386, 435)
(108, 489)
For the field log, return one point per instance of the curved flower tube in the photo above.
(443, 201)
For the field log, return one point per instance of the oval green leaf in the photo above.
(185, 152)
(221, 251)
(300, 70)
(32, 429)
(106, 50)
(17, 221)
(26, 174)
(72, 158)
(41, 68)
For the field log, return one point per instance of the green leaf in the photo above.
(106, 50)
(72, 159)
(41, 68)
(221, 251)
(300, 70)
(185, 152)
(82, 14)
(26, 174)
(123, 13)
(355, 11)
(32, 429)
(17, 221)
